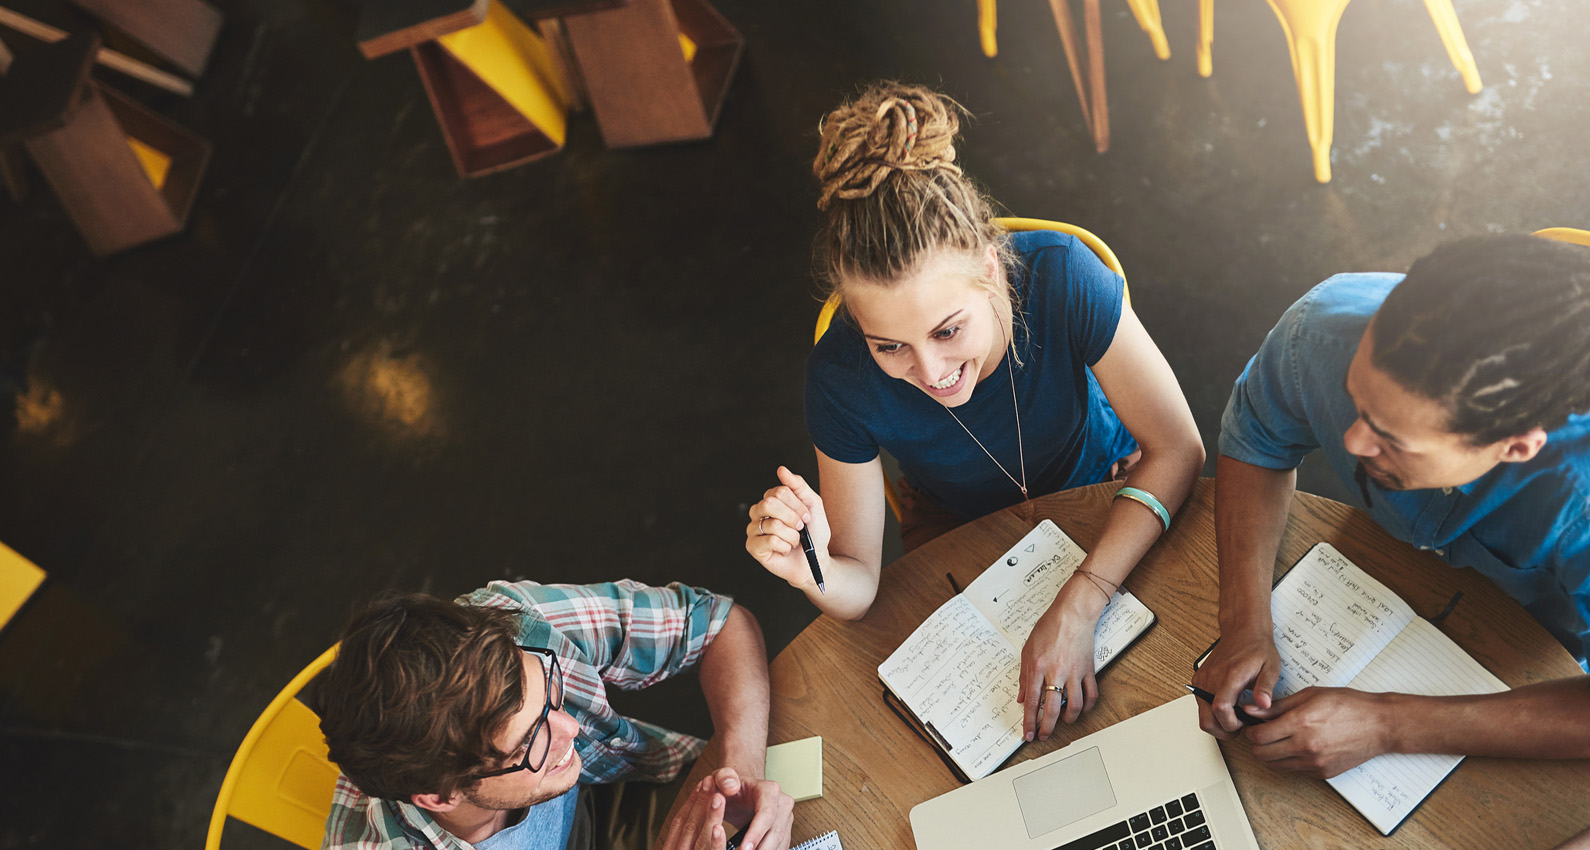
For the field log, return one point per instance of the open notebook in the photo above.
(1335, 626)
(959, 671)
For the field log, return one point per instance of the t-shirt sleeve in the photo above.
(1093, 302)
(834, 422)
(1264, 422)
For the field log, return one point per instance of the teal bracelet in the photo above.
(1146, 499)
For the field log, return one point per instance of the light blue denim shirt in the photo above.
(1524, 525)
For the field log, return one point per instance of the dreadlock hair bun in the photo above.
(891, 190)
(1493, 328)
(889, 128)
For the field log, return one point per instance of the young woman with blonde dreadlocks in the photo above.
(994, 367)
(1455, 403)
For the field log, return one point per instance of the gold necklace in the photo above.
(1010, 366)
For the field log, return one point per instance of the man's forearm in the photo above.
(1251, 506)
(734, 680)
(1540, 721)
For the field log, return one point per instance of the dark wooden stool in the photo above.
(642, 87)
(125, 175)
(493, 82)
(182, 32)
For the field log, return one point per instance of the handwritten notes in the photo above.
(959, 674)
(1331, 619)
(1335, 626)
(1420, 660)
(960, 670)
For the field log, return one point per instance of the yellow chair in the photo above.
(18, 579)
(1089, 81)
(825, 317)
(1566, 234)
(281, 780)
(1310, 28)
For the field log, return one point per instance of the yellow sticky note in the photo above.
(156, 164)
(688, 46)
(797, 767)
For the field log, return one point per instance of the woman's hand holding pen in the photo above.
(1059, 653)
(772, 536)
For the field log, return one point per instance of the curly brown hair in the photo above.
(419, 689)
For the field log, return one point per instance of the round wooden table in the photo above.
(875, 769)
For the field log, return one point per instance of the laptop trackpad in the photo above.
(1064, 792)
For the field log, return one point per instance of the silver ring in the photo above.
(759, 531)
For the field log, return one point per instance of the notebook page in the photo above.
(826, 841)
(1331, 618)
(1016, 590)
(959, 675)
(1386, 789)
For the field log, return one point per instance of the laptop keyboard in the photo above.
(1176, 825)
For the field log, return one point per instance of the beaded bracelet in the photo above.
(1146, 499)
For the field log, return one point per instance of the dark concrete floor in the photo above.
(357, 371)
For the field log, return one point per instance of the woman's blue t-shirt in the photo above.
(1072, 303)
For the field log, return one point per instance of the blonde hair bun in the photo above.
(890, 128)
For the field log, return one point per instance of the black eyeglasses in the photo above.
(540, 739)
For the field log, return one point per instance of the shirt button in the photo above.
(1441, 552)
(1424, 548)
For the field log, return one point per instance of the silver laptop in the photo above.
(1151, 782)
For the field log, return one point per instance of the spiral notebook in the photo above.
(828, 841)
(958, 673)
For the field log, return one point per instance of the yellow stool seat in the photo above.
(280, 779)
(825, 317)
(1310, 28)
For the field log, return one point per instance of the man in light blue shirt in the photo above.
(1455, 402)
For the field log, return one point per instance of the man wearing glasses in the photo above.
(484, 723)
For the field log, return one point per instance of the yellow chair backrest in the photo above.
(18, 579)
(281, 780)
(1566, 234)
(1012, 225)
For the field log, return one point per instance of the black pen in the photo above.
(811, 558)
(1242, 714)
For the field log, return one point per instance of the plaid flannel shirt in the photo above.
(622, 633)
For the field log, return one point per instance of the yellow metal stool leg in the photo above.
(1206, 37)
(987, 22)
(1310, 28)
(1147, 14)
(1446, 23)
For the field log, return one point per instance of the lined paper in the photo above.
(960, 676)
(1421, 660)
(826, 841)
(1019, 587)
(1331, 619)
(960, 671)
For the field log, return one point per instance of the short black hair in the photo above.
(1496, 329)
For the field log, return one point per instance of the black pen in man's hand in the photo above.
(1242, 714)
(811, 558)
